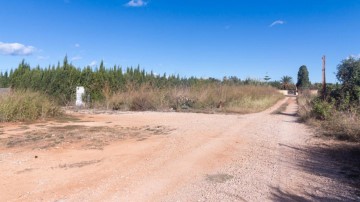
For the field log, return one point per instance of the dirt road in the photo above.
(151, 156)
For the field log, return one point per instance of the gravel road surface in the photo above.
(154, 156)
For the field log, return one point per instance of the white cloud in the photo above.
(277, 22)
(75, 58)
(77, 45)
(136, 3)
(93, 63)
(15, 49)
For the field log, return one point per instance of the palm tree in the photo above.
(285, 82)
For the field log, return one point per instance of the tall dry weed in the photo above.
(27, 106)
(342, 125)
(206, 98)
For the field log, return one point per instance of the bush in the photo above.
(338, 107)
(322, 109)
(330, 121)
(142, 103)
(26, 106)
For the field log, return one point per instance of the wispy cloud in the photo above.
(277, 22)
(93, 63)
(15, 49)
(136, 3)
(75, 58)
(77, 45)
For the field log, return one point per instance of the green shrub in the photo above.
(329, 120)
(322, 109)
(336, 112)
(26, 106)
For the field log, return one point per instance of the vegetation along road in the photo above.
(155, 156)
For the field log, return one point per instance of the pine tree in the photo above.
(267, 78)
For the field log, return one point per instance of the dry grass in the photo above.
(219, 178)
(204, 98)
(344, 126)
(81, 136)
(26, 106)
(305, 107)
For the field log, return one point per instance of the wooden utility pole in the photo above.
(323, 77)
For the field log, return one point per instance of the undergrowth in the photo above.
(26, 106)
(203, 98)
(330, 121)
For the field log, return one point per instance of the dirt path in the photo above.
(154, 156)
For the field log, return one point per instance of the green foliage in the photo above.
(322, 109)
(267, 78)
(330, 121)
(4, 80)
(303, 81)
(337, 112)
(345, 96)
(26, 106)
(349, 76)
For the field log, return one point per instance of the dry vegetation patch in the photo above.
(202, 98)
(219, 178)
(26, 106)
(85, 137)
(79, 164)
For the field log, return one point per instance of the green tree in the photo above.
(4, 80)
(20, 78)
(267, 78)
(286, 82)
(303, 78)
(349, 75)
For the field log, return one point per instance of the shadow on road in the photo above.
(337, 162)
(279, 195)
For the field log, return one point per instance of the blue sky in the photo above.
(212, 38)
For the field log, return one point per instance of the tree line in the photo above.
(60, 81)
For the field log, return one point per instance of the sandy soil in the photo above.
(153, 156)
